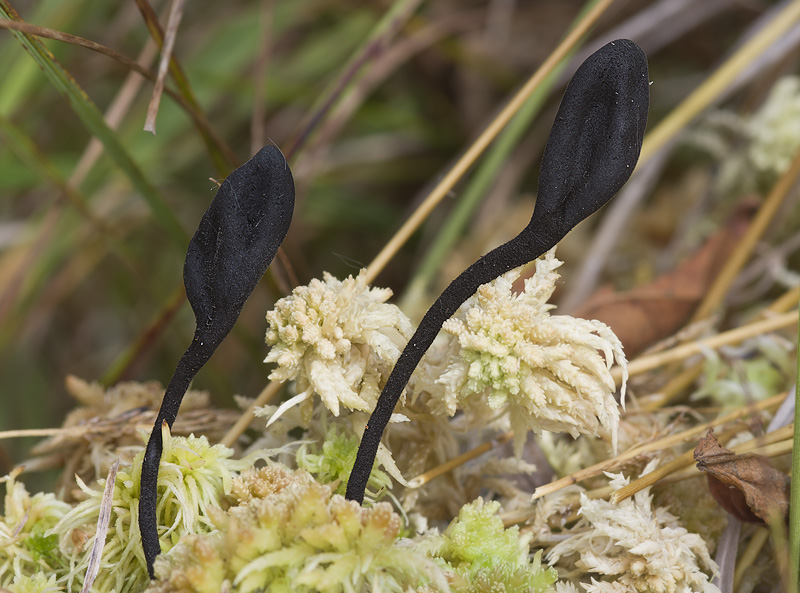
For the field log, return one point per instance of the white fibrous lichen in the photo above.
(775, 128)
(339, 339)
(771, 139)
(547, 372)
(634, 548)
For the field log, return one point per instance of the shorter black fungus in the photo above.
(236, 241)
(592, 150)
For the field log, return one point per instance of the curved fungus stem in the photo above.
(591, 152)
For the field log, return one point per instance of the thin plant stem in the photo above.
(773, 450)
(749, 555)
(487, 136)
(451, 464)
(657, 445)
(190, 107)
(667, 477)
(91, 117)
(486, 174)
(744, 248)
(733, 336)
(681, 382)
(794, 501)
(175, 16)
(784, 302)
(716, 84)
(221, 154)
(686, 458)
(245, 419)
(781, 549)
(394, 18)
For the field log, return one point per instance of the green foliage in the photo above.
(335, 462)
(487, 558)
(35, 583)
(193, 478)
(765, 370)
(290, 534)
(43, 547)
(26, 547)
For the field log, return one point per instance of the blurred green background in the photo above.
(86, 269)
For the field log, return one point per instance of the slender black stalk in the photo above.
(195, 357)
(236, 241)
(508, 256)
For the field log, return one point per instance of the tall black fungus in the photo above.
(591, 152)
(236, 241)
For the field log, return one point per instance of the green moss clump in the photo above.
(481, 556)
(335, 462)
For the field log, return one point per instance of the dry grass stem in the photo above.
(135, 420)
(657, 445)
(783, 303)
(47, 33)
(773, 450)
(771, 444)
(715, 85)
(675, 386)
(258, 118)
(521, 515)
(733, 336)
(750, 554)
(197, 116)
(175, 15)
(102, 528)
(447, 466)
(487, 136)
(744, 248)
(245, 419)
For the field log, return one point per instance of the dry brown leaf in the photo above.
(647, 314)
(747, 486)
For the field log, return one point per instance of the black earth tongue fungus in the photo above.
(591, 152)
(236, 241)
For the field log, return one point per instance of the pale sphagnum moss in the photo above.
(481, 556)
(632, 547)
(288, 533)
(548, 372)
(338, 339)
(194, 475)
(36, 583)
(26, 547)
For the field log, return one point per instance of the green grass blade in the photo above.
(93, 120)
(394, 18)
(483, 178)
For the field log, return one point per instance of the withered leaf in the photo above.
(746, 485)
(646, 314)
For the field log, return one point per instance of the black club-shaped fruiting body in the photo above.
(591, 152)
(237, 239)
